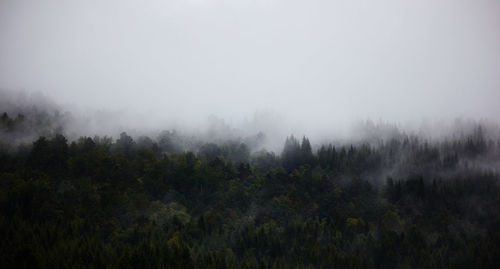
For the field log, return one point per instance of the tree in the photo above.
(125, 144)
(306, 152)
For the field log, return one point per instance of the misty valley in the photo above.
(179, 201)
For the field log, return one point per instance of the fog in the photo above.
(304, 67)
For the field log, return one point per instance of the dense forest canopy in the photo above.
(177, 201)
(249, 134)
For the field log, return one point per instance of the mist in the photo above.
(318, 66)
(249, 134)
(226, 77)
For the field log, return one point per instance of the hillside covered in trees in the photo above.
(249, 134)
(178, 202)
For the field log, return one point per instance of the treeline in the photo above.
(28, 125)
(144, 203)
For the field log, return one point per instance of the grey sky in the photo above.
(317, 62)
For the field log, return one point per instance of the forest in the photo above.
(142, 202)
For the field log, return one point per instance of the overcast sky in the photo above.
(317, 62)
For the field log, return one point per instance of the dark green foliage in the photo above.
(296, 154)
(98, 204)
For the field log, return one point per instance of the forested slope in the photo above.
(145, 203)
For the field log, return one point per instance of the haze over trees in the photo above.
(179, 202)
(249, 134)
